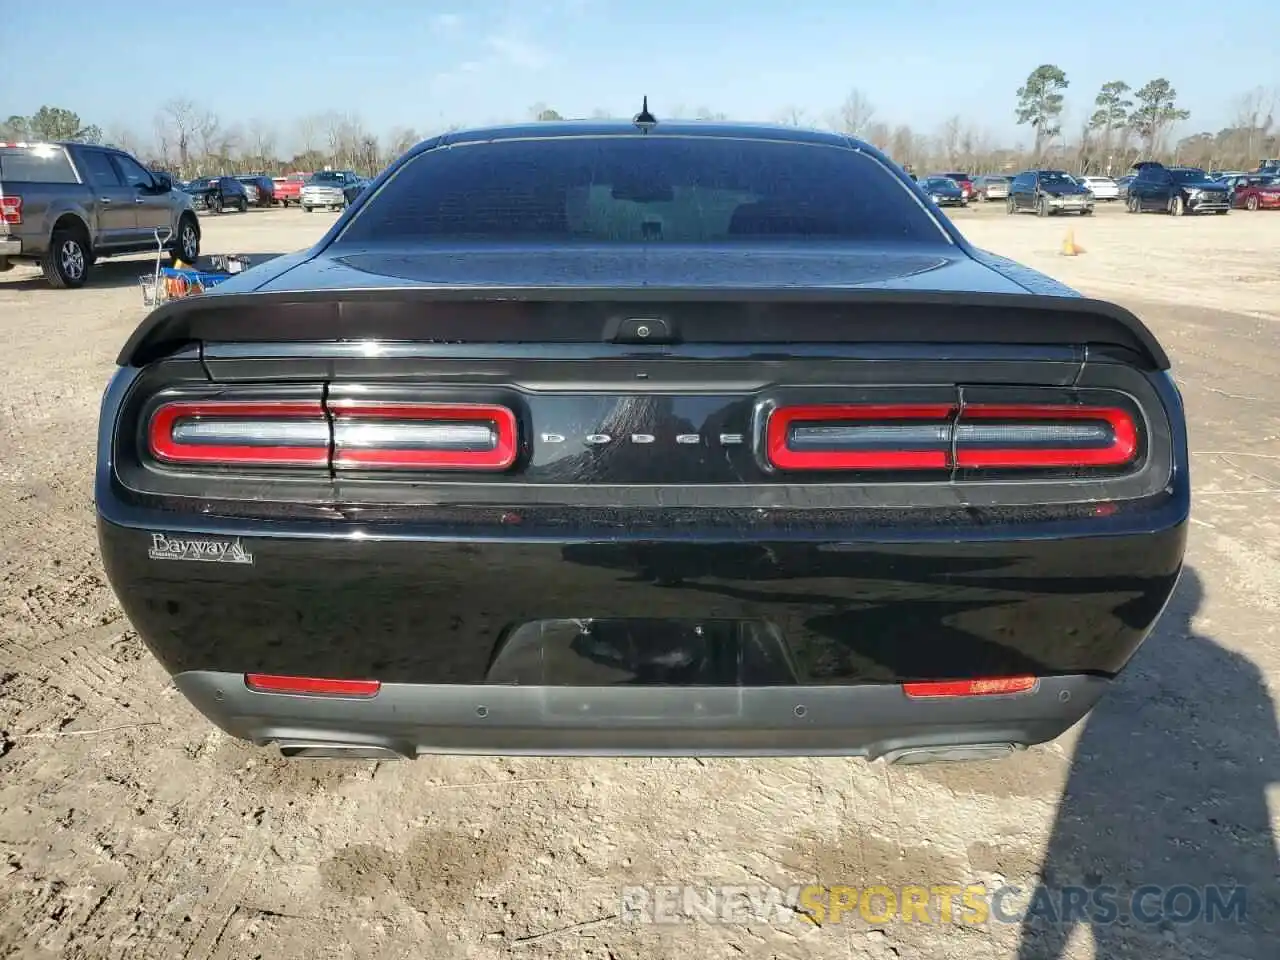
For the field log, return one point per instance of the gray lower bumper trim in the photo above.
(411, 719)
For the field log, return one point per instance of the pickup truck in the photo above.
(65, 205)
(289, 189)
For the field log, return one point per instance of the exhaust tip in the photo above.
(959, 752)
(299, 750)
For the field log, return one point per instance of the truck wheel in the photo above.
(1250, 204)
(66, 263)
(1042, 208)
(1177, 206)
(244, 205)
(187, 249)
(1009, 208)
(215, 204)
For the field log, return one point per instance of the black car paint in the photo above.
(422, 583)
(217, 193)
(1031, 189)
(1155, 188)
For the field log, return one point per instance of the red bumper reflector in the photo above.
(311, 686)
(240, 433)
(986, 687)
(438, 449)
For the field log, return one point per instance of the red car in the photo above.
(964, 181)
(1259, 193)
(289, 189)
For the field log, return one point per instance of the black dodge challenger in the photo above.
(650, 438)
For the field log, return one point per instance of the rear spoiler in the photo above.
(684, 315)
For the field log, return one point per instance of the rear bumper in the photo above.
(10, 247)
(406, 720)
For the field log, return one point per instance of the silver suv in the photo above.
(65, 205)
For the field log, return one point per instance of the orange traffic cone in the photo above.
(1069, 246)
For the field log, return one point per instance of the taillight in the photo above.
(240, 433)
(311, 686)
(860, 437)
(1007, 436)
(942, 437)
(11, 210)
(983, 687)
(389, 435)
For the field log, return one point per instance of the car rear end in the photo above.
(964, 182)
(995, 188)
(1102, 188)
(639, 499)
(38, 181)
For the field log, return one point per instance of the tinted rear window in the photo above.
(35, 165)
(624, 189)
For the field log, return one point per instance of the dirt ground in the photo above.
(130, 827)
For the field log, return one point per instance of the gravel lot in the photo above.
(129, 827)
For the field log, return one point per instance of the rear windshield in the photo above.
(636, 189)
(35, 165)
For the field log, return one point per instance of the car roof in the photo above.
(542, 129)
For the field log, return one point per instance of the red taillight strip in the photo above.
(311, 686)
(984, 687)
(1123, 446)
(784, 457)
(167, 448)
(418, 455)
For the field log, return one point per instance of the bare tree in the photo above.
(854, 115)
(126, 139)
(1253, 118)
(180, 118)
(262, 142)
(400, 140)
(208, 130)
(792, 116)
(949, 139)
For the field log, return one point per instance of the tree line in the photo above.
(1122, 125)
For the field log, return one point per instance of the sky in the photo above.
(436, 63)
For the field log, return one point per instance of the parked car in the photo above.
(1258, 193)
(1048, 192)
(1175, 190)
(963, 181)
(64, 206)
(288, 189)
(1102, 188)
(991, 186)
(216, 194)
(331, 188)
(1122, 186)
(944, 191)
(441, 503)
(260, 189)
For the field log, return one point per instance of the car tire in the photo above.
(1131, 204)
(66, 263)
(215, 204)
(243, 205)
(1250, 204)
(1042, 207)
(1177, 206)
(1009, 207)
(187, 247)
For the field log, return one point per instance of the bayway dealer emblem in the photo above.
(190, 548)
